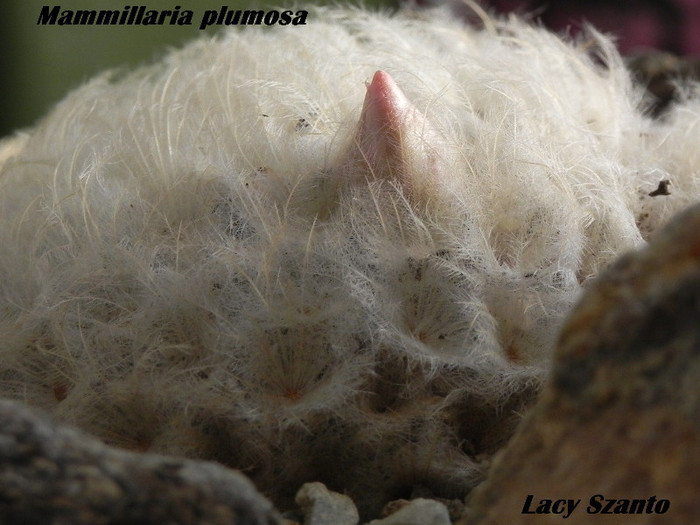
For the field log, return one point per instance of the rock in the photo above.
(620, 417)
(53, 474)
(323, 507)
(394, 506)
(455, 507)
(418, 512)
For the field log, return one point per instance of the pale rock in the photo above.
(324, 507)
(418, 512)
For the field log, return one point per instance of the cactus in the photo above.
(337, 252)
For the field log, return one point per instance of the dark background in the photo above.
(40, 64)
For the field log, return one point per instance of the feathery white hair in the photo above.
(242, 253)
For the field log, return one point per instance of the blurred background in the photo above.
(40, 64)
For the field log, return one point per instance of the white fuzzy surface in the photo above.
(194, 261)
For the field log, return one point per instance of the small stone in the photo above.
(418, 512)
(394, 506)
(324, 507)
